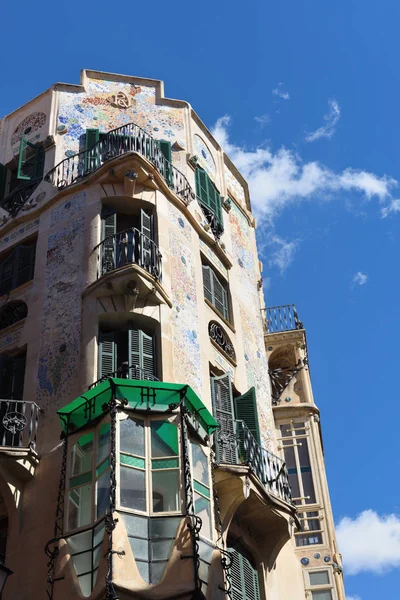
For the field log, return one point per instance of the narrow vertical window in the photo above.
(164, 466)
(201, 489)
(132, 464)
(297, 458)
(81, 482)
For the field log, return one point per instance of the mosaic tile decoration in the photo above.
(213, 258)
(9, 339)
(234, 186)
(28, 127)
(225, 366)
(68, 208)
(61, 320)
(19, 232)
(204, 156)
(243, 253)
(185, 314)
(92, 109)
(179, 220)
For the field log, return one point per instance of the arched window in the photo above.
(12, 313)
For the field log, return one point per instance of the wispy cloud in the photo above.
(278, 91)
(353, 598)
(360, 278)
(263, 119)
(281, 179)
(331, 120)
(369, 542)
(282, 252)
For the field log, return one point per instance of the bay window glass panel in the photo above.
(80, 542)
(165, 491)
(82, 454)
(132, 488)
(103, 494)
(319, 578)
(322, 595)
(202, 508)
(103, 444)
(308, 486)
(131, 433)
(200, 465)
(294, 486)
(80, 506)
(164, 439)
(85, 582)
(83, 562)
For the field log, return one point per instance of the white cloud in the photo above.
(282, 253)
(278, 91)
(353, 598)
(263, 119)
(327, 130)
(360, 278)
(280, 179)
(369, 542)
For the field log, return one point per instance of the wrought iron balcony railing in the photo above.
(244, 449)
(281, 318)
(19, 421)
(128, 138)
(127, 372)
(16, 199)
(125, 248)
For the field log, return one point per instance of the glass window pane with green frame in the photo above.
(201, 488)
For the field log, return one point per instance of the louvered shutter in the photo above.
(91, 153)
(26, 160)
(208, 283)
(107, 353)
(108, 236)
(165, 148)
(220, 297)
(7, 269)
(213, 198)
(244, 578)
(246, 410)
(145, 240)
(141, 355)
(25, 264)
(202, 186)
(39, 164)
(221, 391)
(3, 180)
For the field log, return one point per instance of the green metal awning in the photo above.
(140, 395)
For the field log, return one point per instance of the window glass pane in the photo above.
(103, 449)
(202, 508)
(132, 488)
(135, 525)
(289, 458)
(200, 465)
(80, 507)
(131, 432)
(304, 456)
(85, 581)
(286, 430)
(308, 539)
(132, 461)
(103, 493)
(140, 548)
(80, 542)
(164, 439)
(319, 578)
(308, 487)
(82, 562)
(160, 549)
(322, 595)
(98, 533)
(143, 568)
(81, 454)
(157, 571)
(164, 527)
(294, 486)
(165, 490)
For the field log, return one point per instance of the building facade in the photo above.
(158, 433)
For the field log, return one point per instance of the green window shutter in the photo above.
(221, 392)
(220, 297)
(165, 148)
(107, 353)
(244, 578)
(25, 264)
(3, 180)
(208, 283)
(91, 154)
(202, 186)
(246, 410)
(146, 227)
(27, 160)
(141, 354)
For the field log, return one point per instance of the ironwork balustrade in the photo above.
(16, 199)
(19, 421)
(282, 318)
(128, 138)
(268, 468)
(128, 247)
(127, 372)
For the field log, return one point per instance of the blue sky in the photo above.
(324, 189)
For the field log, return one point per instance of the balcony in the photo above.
(244, 450)
(127, 372)
(281, 318)
(15, 200)
(126, 248)
(117, 142)
(19, 421)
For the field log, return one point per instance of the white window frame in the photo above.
(94, 479)
(296, 443)
(319, 588)
(306, 530)
(174, 418)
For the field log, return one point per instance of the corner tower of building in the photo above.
(132, 324)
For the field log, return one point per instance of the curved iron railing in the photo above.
(127, 372)
(16, 199)
(128, 138)
(282, 318)
(125, 248)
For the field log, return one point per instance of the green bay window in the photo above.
(210, 201)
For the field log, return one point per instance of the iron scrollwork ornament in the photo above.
(14, 421)
(218, 335)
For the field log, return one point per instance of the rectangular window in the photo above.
(297, 458)
(149, 466)
(311, 532)
(17, 267)
(201, 488)
(320, 584)
(129, 354)
(216, 291)
(30, 161)
(210, 201)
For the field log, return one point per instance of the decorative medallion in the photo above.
(14, 422)
(218, 335)
(305, 561)
(119, 100)
(317, 555)
(327, 559)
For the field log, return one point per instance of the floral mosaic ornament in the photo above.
(28, 126)
(204, 156)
